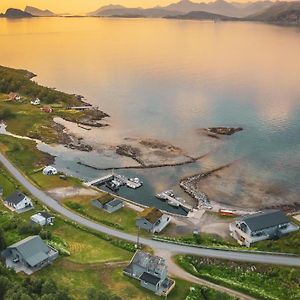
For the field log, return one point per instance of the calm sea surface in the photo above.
(165, 79)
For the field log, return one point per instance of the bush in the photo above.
(6, 114)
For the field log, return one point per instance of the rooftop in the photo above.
(265, 219)
(115, 202)
(147, 277)
(15, 197)
(105, 199)
(149, 262)
(151, 214)
(33, 249)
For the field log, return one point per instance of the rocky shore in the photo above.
(224, 130)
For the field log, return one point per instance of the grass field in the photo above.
(124, 219)
(261, 281)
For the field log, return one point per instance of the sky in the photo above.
(82, 6)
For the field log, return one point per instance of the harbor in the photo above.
(134, 188)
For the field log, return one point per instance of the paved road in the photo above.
(231, 255)
(178, 272)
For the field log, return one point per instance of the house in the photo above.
(42, 218)
(14, 97)
(47, 109)
(19, 202)
(29, 255)
(153, 220)
(49, 171)
(264, 225)
(35, 101)
(108, 204)
(151, 271)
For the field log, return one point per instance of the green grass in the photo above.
(24, 154)
(51, 182)
(123, 219)
(289, 243)
(261, 281)
(87, 248)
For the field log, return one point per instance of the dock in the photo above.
(172, 199)
(100, 180)
(117, 180)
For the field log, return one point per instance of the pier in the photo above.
(172, 199)
(118, 180)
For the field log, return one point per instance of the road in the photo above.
(230, 255)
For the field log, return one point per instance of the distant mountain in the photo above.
(280, 12)
(202, 15)
(218, 7)
(13, 13)
(182, 7)
(38, 12)
(121, 11)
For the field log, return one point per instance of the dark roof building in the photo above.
(151, 271)
(265, 219)
(268, 224)
(15, 198)
(29, 254)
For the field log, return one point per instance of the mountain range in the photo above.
(13, 13)
(39, 12)
(260, 11)
(221, 7)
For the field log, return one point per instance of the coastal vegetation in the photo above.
(28, 120)
(261, 281)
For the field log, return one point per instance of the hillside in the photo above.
(281, 12)
(38, 12)
(202, 15)
(13, 13)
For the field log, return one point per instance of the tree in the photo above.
(2, 240)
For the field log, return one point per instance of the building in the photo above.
(49, 171)
(29, 255)
(153, 220)
(35, 101)
(108, 204)
(264, 225)
(47, 109)
(42, 218)
(19, 202)
(151, 271)
(14, 97)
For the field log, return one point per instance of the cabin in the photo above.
(267, 224)
(49, 171)
(152, 220)
(18, 202)
(14, 97)
(35, 101)
(29, 255)
(110, 205)
(42, 218)
(47, 109)
(151, 271)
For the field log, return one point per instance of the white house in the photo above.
(36, 101)
(261, 226)
(152, 220)
(18, 201)
(49, 171)
(42, 218)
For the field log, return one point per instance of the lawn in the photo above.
(79, 278)
(88, 248)
(50, 182)
(24, 154)
(124, 219)
(261, 281)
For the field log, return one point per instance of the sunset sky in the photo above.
(82, 6)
